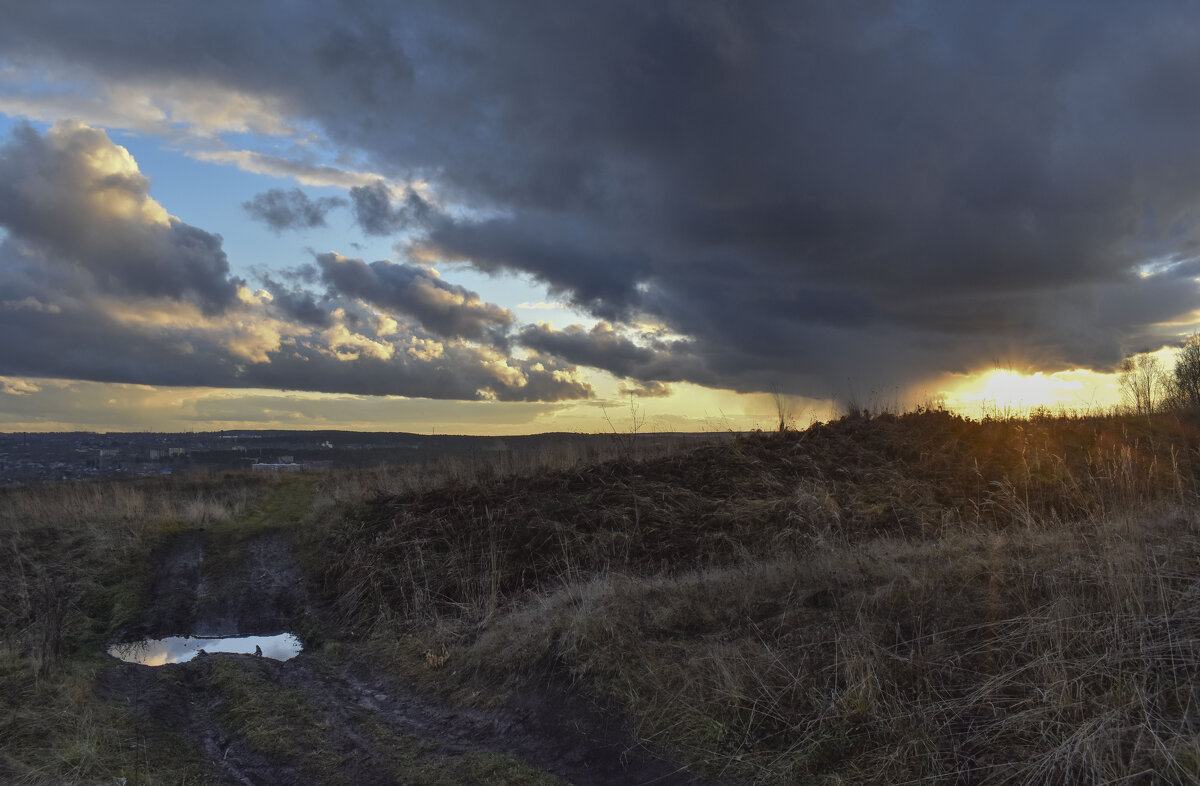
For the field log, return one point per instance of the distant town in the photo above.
(32, 458)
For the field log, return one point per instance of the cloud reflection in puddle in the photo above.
(179, 649)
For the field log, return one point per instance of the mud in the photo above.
(204, 583)
(348, 722)
(545, 725)
(173, 589)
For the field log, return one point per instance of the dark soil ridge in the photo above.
(198, 587)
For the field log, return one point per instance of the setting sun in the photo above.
(1003, 392)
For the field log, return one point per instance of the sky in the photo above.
(496, 218)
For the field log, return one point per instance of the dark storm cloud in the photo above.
(808, 191)
(445, 309)
(292, 209)
(82, 203)
(591, 269)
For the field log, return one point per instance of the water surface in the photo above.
(179, 649)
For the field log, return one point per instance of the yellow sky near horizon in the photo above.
(27, 404)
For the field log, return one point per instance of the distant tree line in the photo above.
(1148, 386)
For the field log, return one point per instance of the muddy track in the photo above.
(198, 586)
(258, 721)
(547, 727)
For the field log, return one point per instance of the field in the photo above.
(910, 598)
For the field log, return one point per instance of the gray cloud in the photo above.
(462, 372)
(645, 389)
(445, 309)
(606, 348)
(100, 283)
(293, 209)
(71, 335)
(81, 201)
(87, 405)
(377, 216)
(811, 192)
(298, 304)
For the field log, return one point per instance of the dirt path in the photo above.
(323, 719)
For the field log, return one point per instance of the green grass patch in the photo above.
(277, 721)
(57, 729)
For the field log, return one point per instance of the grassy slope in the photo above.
(878, 600)
(904, 598)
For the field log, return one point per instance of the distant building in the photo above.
(291, 466)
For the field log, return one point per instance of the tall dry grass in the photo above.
(343, 487)
(1030, 656)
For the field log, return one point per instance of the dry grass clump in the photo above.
(351, 486)
(906, 599)
(117, 505)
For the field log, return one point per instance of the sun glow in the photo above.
(1012, 387)
(1004, 392)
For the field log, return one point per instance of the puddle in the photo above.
(179, 649)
